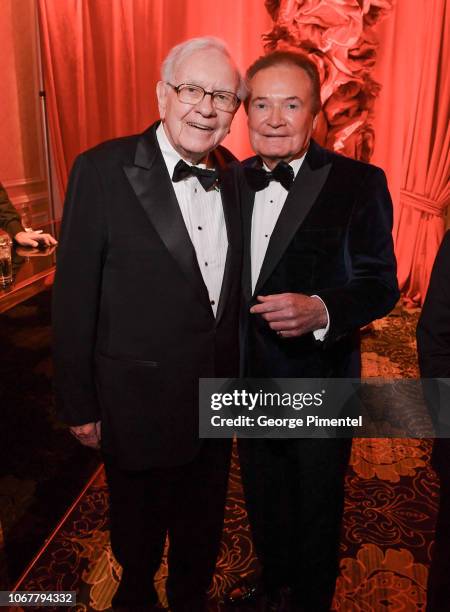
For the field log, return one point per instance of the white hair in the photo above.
(180, 52)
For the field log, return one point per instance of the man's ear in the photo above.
(314, 123)
(161, 94)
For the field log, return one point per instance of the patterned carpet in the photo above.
(391, 502)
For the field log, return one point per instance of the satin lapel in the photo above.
(302, 195)
(152, 185)
(230, 203)
(248, 201)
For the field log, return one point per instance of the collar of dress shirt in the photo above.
(295, 164)
(171, 157)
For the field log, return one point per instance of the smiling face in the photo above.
(195, 130)
(280, 117)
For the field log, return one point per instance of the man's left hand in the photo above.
(291, 314)
(34, 239)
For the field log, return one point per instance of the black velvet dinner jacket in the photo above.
(332, 239)
(133, 325)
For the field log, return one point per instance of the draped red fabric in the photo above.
(102, 59)
(413, 133)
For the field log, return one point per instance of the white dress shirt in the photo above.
(268, 205)
(203, 216)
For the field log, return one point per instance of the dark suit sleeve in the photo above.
(372, 289)
(76, 294)
(9, 217)
(433, 330)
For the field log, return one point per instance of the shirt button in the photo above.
(200, 227)
(212, 302)
(271, 201)
(206, 263)
(195, 190)
(266, 235)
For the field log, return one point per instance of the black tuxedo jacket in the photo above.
(433, 329)
(133, 326)
(433, 347)
(332, 239)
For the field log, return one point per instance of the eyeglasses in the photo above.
(193, 94)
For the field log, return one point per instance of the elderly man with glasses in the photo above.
(145, 303)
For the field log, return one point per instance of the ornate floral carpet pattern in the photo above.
(391, 502)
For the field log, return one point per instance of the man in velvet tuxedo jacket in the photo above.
(433, 346)
(146, 302)
(318, 265)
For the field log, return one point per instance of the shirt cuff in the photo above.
(320, 334)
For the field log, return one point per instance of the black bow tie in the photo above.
(206, 177)
(258, 178)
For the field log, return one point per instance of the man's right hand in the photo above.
(34, 239)
(88, 434)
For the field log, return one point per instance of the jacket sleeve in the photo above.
(372, 289)
(76, 294)
(433, 329)
(9, 217)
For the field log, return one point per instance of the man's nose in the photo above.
(206, 106)
(275, 118)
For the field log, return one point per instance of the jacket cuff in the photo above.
(14, 227)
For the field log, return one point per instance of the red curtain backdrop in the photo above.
(412, 133)
(102, 61)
